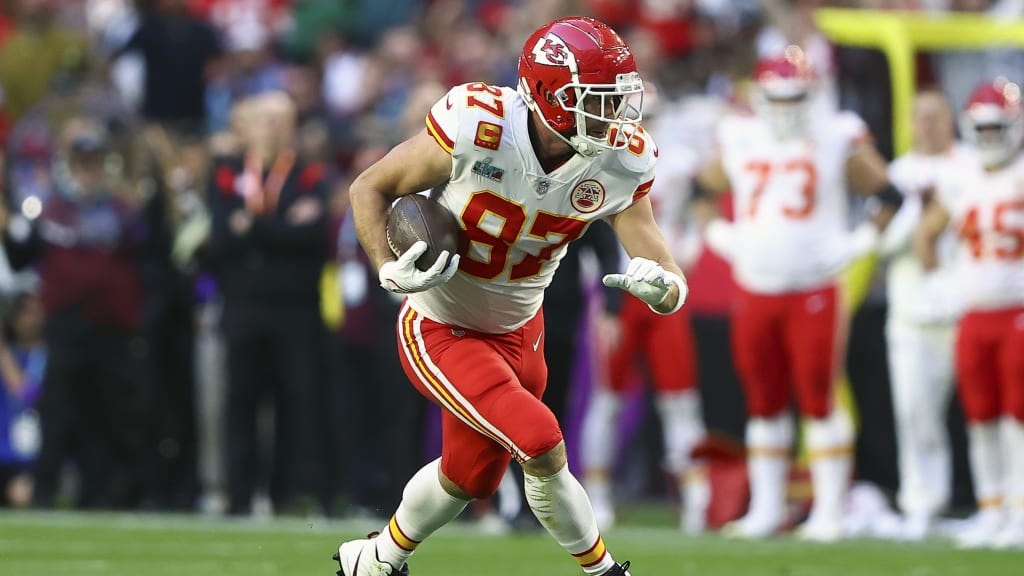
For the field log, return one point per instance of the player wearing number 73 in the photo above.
(525, 171)
(788, 173)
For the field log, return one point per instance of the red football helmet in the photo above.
(782, 92)
(578, 68)
(991, 121)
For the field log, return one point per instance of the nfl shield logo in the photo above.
(543, 186)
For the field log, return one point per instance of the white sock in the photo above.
(986, 465)
(695, 489)
(598, 433)
(682, 427)
(425, 507)
(1012, 436)
(830, 447)
(598, 486)
(769, 441)
(562, 507)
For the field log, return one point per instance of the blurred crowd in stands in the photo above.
(189, 322)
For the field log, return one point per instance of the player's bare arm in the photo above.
(709, 183)
(413, 166)
(712, 178)
(867, 174)
(934, 222)
(641, 237)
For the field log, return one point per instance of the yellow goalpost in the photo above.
(900, 35)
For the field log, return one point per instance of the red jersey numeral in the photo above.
(1006, 241)
(512, 218)
(544, 225)
(763, 172)
(496, 106)
(636, 145)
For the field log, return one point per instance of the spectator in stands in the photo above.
(268, 246)
(180, 53)
(85, 244)
(22, 363)
(34, 54)
(177, 224)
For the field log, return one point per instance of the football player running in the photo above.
(662, 348)
(984, 205)
(525, 171)
(788, 173)
(922, 321)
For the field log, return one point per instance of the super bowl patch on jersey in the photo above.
(487, 170)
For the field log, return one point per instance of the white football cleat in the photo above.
(820, 530)
(982, 530)
(916, 527)
(753, 527)
(1011, 536)
(359, 558)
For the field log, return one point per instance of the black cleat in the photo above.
(618, 570)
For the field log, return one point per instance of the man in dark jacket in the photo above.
(269, 245)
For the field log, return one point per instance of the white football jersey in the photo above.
(789, 198)
(987, 210)
(516, 219)
(915, 296)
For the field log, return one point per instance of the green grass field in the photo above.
(142, 545)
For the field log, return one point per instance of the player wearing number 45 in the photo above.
(984, 204)
(525, 170)
(788, 173)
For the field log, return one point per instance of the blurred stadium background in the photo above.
(166, 88)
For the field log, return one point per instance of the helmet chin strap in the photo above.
(584, 146)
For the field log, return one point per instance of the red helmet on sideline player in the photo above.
(991, 121)
(566, 63)
(782, 92)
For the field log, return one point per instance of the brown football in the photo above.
(416, 217)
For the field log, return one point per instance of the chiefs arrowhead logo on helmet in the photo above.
(551, 50)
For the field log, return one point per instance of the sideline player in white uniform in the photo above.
(984, 204)
(525, 171)
(666, 348)
(788, 173)
(922, 321)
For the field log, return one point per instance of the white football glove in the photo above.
(648, 281)
(402, 277)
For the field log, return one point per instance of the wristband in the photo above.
(890, 196)
(671, 277)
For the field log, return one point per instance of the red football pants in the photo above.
(990, 364)
(489, 386)
(788, 340)
(664, 343)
